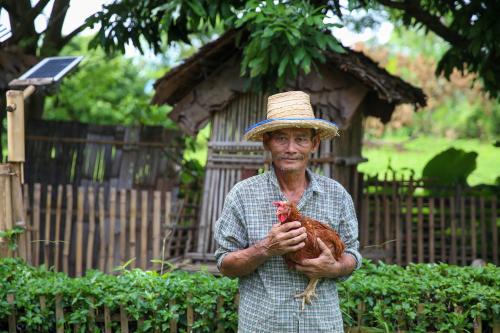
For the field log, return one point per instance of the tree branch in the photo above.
(413, 8)
(53, 34)
(37, 9)
(75, 32)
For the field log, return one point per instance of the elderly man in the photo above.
(252, 243)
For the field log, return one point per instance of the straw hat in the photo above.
(290, 109)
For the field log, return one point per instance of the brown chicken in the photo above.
(288, 212)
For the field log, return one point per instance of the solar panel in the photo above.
(47, 71)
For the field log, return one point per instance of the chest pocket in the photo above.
(259, 223)
(322, 214)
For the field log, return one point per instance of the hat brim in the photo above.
(324, 128)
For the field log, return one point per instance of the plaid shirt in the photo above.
(267, 302)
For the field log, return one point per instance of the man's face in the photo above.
(290, 148)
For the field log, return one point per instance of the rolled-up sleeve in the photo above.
(230, 232)
(348, 231)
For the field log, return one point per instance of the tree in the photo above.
(279, 38)
(469, 27)
(107, 90)
(457, 107)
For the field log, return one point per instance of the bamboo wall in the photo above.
(141, 157)
(77, 228)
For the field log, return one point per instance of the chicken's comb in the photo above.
(278, 203)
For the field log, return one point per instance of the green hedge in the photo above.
(452, 297)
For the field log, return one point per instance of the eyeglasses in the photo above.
(282, 140)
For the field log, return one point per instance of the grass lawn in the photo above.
(403, 154)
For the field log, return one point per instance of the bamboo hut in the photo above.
(207, 88)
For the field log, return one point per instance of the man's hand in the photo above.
(284, 238)
(323, 266)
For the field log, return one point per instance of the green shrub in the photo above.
(452, 297)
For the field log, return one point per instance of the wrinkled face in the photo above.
(283, 210)
(290, 148)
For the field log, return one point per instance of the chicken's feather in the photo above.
(314, 229)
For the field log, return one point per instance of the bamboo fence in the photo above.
(105, 318)
(78, 228)
(403, 221)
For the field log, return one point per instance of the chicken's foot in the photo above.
(308, 294)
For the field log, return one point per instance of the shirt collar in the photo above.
(313, 180)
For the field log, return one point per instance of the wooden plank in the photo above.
(48, 213)
(123, 319)
(173, 322)
(132, 230)
(478, 325)
(365, 226)
(473, 233)
(453, 250)
(92, 229)
(420, 230)
(112, 220)
(107, 320)
(156, 227)
(123, 226)
(207, 205)
(387, 222)
(92, 320)
(432, 257)
(494, 229)
(409, 217)
(144, 230)
(442, 221)
(79, 231)
(67, 227)
(12, 317)
(189, 314)
(167, 223)
(29, 226)
(59, 314)
(220, 308)
(102, 231)
(36, 223)
(463, 243)
(57, 235)
(482, 223)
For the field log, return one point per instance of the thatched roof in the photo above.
(178, 82)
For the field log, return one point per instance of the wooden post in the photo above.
(12, 316)
(102, 231)
(220, 307)
(123, 225)
(59, 315)
(48, 213)
(173, 322)
(144, 229)
(79, 231)
(67, 227)
(190, 314)
(107, 320)
(90, 244)
(57, 235)
(15, 126)
(123, 319)
(156, 228)
(36, 223)
(112, 217)
(132, 228)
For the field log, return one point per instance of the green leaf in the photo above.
(298, 55)
(196, 6)
(282, 66)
